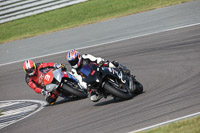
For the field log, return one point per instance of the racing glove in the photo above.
(44, 93)
(57, 66)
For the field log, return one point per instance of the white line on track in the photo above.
(20, 110)
(8, 104)
(42, 104)
(167, 122)
(104, 43)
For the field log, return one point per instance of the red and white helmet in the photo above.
(29, 67)
(74, 58)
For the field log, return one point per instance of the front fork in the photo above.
(132, 86)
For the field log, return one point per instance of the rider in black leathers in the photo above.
(77, 61)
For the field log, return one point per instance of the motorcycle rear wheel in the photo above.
(116, 92)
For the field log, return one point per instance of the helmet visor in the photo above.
(30, 71)
(74, 62)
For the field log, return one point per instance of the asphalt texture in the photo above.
(166, 63)
(103, 32)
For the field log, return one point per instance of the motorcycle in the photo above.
(106, 81)
(63, 82)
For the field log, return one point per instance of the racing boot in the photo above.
(51, 98)
(94, 96)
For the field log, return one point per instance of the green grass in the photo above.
(191, 125)
(76, 15)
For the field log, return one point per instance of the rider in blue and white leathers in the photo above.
(77, 61)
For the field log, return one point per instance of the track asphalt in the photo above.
(167, 64)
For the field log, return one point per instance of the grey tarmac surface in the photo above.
(103, 32)
(167, 64)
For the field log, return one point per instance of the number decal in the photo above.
(47, 77)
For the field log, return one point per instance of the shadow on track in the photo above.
(71, 99)
(112, 101)
(116, 100)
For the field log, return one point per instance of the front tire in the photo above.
(71, 90)
(139, 88)
(116, 92)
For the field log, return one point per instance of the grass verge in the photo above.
(76, 15)
(185, 126)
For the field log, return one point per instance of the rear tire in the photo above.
(71, 90)
(117, 92)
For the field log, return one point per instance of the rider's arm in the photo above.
(33, 85)
(99, 60)
(92, 58)
(50, 65)
(78, 76)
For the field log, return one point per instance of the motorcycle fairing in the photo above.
(52, 79)
(116, 72)
(48, 78)
(51, 87)
(72, 77)
(58, 74)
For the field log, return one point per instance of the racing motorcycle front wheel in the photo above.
(139, 88)
(117, 91)
(78, 92)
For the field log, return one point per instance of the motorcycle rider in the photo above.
(77, 61)
(34, 77)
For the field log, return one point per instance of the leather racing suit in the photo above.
(36, 81)
(87, 59)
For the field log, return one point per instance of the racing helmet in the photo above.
(74, 58)
(29, 67)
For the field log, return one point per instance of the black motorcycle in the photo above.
(106, 81)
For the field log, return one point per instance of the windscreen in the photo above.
(86, 70)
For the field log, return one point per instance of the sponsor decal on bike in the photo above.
(72, 77)
(119, 74)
